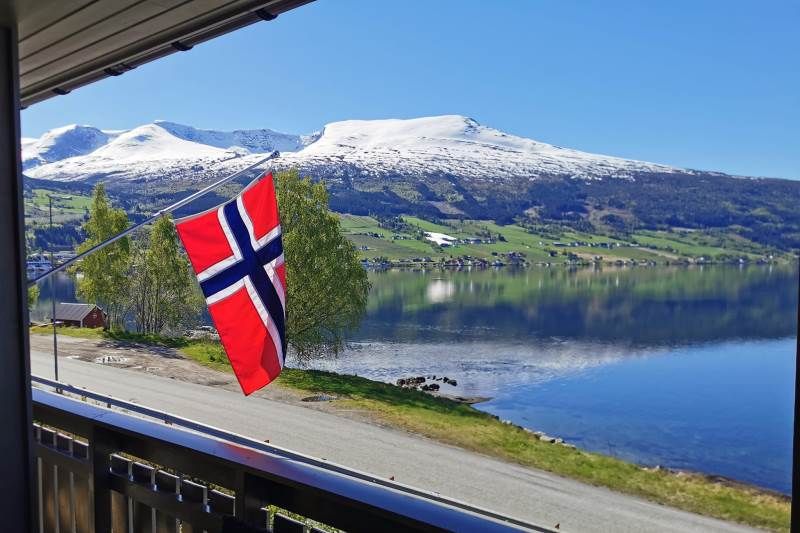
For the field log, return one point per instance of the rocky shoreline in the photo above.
(420, 383)
(431, 385)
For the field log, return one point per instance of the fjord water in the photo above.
(689, 368)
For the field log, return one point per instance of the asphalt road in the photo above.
(531, 495)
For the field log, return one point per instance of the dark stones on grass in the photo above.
(319, 398)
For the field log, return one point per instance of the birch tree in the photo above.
(33, 296)
(104, 279)
(164, 294)
(327, 286)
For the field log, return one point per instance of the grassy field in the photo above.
(462, 425)
(537, 246)
(97, 333)
(696, 244)
(65, 206)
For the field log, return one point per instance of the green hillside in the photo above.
(403, 239)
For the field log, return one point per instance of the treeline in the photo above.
(65, 236)
(762, 210)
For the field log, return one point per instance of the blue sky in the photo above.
(702, 84)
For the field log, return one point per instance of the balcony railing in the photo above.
(101, 470)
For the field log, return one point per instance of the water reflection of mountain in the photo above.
(636, 306)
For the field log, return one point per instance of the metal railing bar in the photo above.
(193, 513)
(249, 442)
(336, 499)
(57, 458)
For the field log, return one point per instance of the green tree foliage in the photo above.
(163, 293)
(33, 296)
(327, 286)
(105, 273)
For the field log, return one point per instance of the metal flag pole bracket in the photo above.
(170, 208)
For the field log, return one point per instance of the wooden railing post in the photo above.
(101, 446)
(250, 501)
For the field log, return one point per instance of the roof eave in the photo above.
(131, 55)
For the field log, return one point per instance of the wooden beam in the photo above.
(16, 459)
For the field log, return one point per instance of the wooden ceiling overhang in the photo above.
(64, 44)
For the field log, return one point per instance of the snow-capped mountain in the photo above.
(444, 145)
(454, 145)
(160, 150)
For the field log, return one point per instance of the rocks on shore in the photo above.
(543, 436)
(430, 384)
(420, 382)
(411, 383)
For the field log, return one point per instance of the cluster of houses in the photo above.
(575, 244)
(37, 263)
(476, 240)
(476, 262)
(498, 260)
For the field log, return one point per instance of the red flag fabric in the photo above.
(237, 253)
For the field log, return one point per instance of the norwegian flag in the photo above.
(237, 254)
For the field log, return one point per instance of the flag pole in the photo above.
(180, 203)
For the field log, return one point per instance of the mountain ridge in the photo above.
(391, 141)
(447, 166)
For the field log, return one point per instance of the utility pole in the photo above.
(53, 293)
